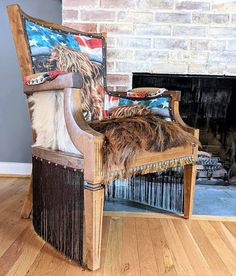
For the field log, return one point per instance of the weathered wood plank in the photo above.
(58, 157)
(61, 82)
(22, 49)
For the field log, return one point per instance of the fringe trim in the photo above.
(163, 190)
(58, 207)
(149, 168)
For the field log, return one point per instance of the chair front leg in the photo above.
(189, 185)
(93, 214)
(27, 206)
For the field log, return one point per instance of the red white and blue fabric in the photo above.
(160, 105)
(43, 39)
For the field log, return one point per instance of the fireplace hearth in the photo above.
(209, 103)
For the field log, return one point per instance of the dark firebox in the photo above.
(208, 103)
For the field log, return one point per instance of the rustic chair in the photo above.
(68, 188)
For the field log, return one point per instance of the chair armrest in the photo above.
(175, 99)
(88, 141)
(67, 80)
(175, 96)
(177, 117)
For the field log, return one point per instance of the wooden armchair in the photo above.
(68, 187)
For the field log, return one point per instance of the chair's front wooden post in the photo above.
(28, 202)
(189, 185)
(93, 214)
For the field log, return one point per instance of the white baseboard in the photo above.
(14, 168)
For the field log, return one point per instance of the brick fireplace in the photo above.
(160, 36)
(172, 37)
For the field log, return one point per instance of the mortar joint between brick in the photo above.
(211, 6)
(171, 30)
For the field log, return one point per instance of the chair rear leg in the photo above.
(189, 185)
(93, 214)
(27, 206)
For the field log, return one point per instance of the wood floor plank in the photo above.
(147, 260)
(11, 187)
(11, 225)
(54, 263)
(14, 195)
(231, 226)
(30, 245)
(9, 235)
(164, 257)
(212, 257)
(195, 256)
(11, 255)
(6, 183)
(182, 264)
(224, 233)
(105, 231)
(12, 209)
(129, 256)
(223, 251)
(112, 264)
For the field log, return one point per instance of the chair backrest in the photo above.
(43, 47)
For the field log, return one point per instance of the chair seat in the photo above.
(146, 162)
(150, 162)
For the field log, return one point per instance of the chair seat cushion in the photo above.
(131, 130)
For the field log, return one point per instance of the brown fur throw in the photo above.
(125, 136)
(129, 111)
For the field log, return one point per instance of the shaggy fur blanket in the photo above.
(133, 129)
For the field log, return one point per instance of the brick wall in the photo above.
(161, 36)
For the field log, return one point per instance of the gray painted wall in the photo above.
(15, 131)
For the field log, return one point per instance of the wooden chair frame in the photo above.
(89, 142)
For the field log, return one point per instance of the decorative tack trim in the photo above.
(55, 164)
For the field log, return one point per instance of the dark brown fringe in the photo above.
(163, 190)
(126, 137)
(58, 205)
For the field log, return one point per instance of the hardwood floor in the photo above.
(142, 245)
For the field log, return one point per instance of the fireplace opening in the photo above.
(209, 103)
